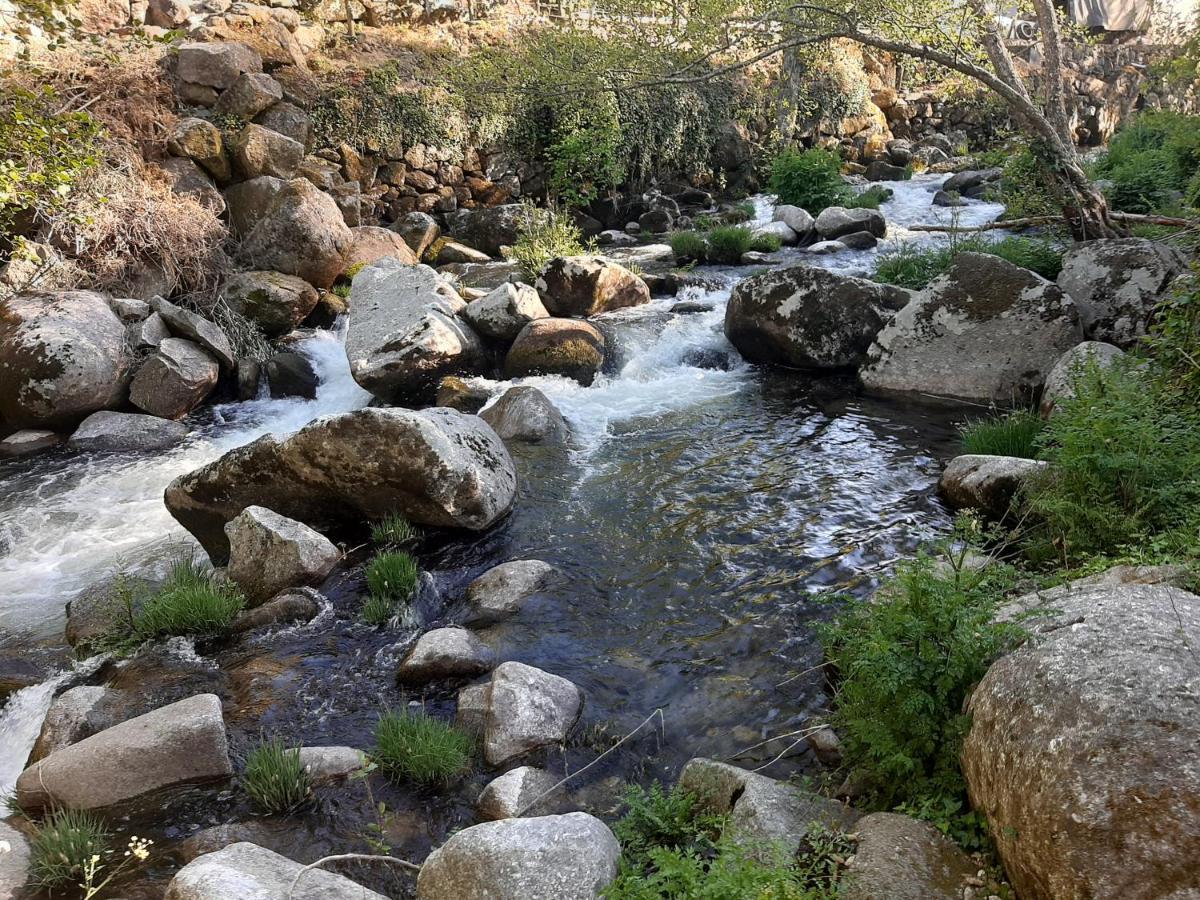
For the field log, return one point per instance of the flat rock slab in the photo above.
(248, 872)
(108, 431)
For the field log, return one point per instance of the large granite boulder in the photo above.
(986, 483)
(527, 709)
(1115, 284)
(176, 379)
(901, 858)
(107, 431)
(201, 142)
(273, 301)
(986, 331)
(568, 347)
(184, 323)
(809, 318)
(588, 285)
(569, 857)
(503, 312)
(1082, 751)
(405, 334)
(247, 202)
(251, 872)
(501, 591)
(63, 356)
(435, 467)
(251, 94)
(488, 228)
(269, 553)
(372, 243)
(526, 415)
(302, 233)
(1060, 383)
(445, 653)
(835, 221)
(183, 743)
(419, 230)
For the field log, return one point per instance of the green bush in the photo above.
(1123, 458)
(544, 235)
(1014, 434)
(729, 872)
(810, 179)
(1174, 339)
(655, 817)
(727, 243)
(275, 778)
(585, 150)
(871, 198)
(905, 662)
(62, 845)
(393, 530)
(688, 247)
(1027, 187)
(765, 243)
(191, 601)
(911, 267)
(1150, 160)
(416, 748)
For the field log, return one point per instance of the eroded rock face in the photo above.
(182, 743)
(900, 858)
(501, 591)
(63, 356)
(1060, 383)
(302, 233)
(502, 313)
(419, 230)
(567, 347)
(435, 467)
(1082, 751)
(809, 317)
(526, 415)
(217, 64)
(74, 715)
(588, 285)
(174, 380)
(987, 483)
(405, 333)
(108, 431)
(275, 302)
(269, 553)
(249, 871)
(186, 324)
(445, 653)
(1115, 284)
(986, 331)
(527, 709)
(569, 857)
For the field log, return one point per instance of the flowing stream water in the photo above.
(702, 513)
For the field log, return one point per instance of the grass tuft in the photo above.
(393, 530)
(911, 267)
(1013, 434)
(545, 234)
(63, 844)
(727, 243)
(417, 748)
(391, 580)
(275, 778)
(688, 247)
(871, 198)
(191, 601)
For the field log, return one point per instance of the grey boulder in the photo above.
(107, 431)
(445, 653)
(301, 233)
(194, 327)
(435, 467)
(834, 221)
(501, 591)
(568, 857)
(176, 379)
(526, 415)
(588, 285)
(251, 872)
(269, 553)
(14, 862)
(502, 313)
(1060, 383)
(273, 301)
(796, 219)
(74, 715)
(527, 709)
(568, 347)
(526, 790)
(488, 229)
(900, 858)
(987, 483)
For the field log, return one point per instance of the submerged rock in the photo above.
(567, 347)
(182, 743)
(987, 483)
(445, 653)
(269, 553)
(508, 796)
(63, 356)
(809, 317)
(501, 591)
(986, 331)
(331, 763)
(569, 857)
(527, 709)
(435, 467)
(1082, 747)
(405, 333)
(588, 285)
(900, 858)
(27, 441)
(251, 872)
(297, 605)
(526, 415)
(108, 431)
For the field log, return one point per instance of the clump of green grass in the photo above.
(417, 748)
(391, 580)
(63, 845)
(871, 198)
(275, 778)
(727, 243)
(688, 247)
(545, 234)
(765, 243)
(393, 530)
(192, 601)
(1013, 434)
(377, 611)
(912, 267)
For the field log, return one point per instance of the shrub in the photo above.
(1027, 187)
(63, 845)
(765, 243)
(1123, 460)
(655, 817)
(727, 243)
(1150, 160)
(905, 661)
(420, 749)
(393, 530)
(810, 179)
(585, 152)
(871, 198)
(191, 601)
(688, 247)
(1014, 434)
(275, 778)
(729, 872)
(1174, 338)
(544, 235)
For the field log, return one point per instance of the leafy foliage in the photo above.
(276, 779)
(727, 243)
(417, 748)
(810, 179)
(63, 845)
(765, 243)
(905, 661)
(1151, 160)
(1013, 434)
(1123, 460)
(585, 152)
(655, 817)
(914, 268)
(1027, 184)
(544, 235)
(191, 601)
(1174, 337)
(688, 247)
(727, 873)
(871, 198)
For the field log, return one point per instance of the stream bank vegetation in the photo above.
(391, 579)
(275, 778)
(418, 748)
